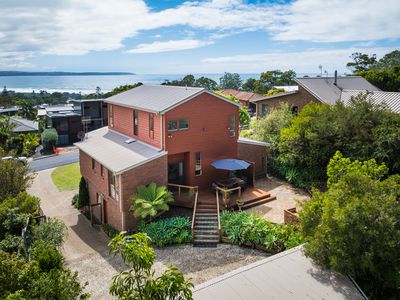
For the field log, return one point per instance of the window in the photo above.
(183, 124)
(172, 125)
(197, 171)
(151, 125)
(295, 110)
(265, 109)
(101, 170)
(135, 123)
(111, 184)
(93, 164)
(232, 128)
(110, 115)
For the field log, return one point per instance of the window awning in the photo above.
(230, 164)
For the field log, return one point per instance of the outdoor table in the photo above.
(231, 182)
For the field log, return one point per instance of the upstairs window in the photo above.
(232, 126)
(183, 124)
(151, 125)
(197, 171)
(93, 164)
(101, 170)
(135, 123)
(110, 115)
(172, 125)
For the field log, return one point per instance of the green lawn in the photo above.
(66, 178)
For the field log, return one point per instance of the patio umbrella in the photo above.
(230, 164)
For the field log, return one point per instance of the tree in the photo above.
(49, 138)
(353, 227)
(389, 61)
(230, 81)
(361, 62)
(6, 126)
(386, 80)
(269, 79)
(249, 85)
(244, 116)
(206, 83)
(83, 195)
(27, 110)
(150, 200)
(53, 232)
(139, 282)
(15, 178)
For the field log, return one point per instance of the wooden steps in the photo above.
(256, 201)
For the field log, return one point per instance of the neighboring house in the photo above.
(245, 98)
(390, 100)
(286, 88)
(287, 275)
(24, 125)
(10, 111)
(64, 120)
(93, 112)
(75, 118)
(318, 89)
(161, 134)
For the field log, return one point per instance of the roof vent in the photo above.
(130, 141)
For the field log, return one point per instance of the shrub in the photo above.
(47, 256)
(169, 231)
(150, 200)
(109, 230)
(53, 232)
(31, 142)
(249, 229)
(15, 178)
(49, 138)
(10, 243)
(75, 200)
(83, 196)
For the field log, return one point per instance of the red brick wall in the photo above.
(256, 154)
(123, 122)
(299, 99)
(153, 171)
(208, 133)
(99, 184)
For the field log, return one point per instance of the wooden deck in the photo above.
(251, 197)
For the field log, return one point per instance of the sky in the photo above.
(179, 37)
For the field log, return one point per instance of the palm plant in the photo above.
(150, 200)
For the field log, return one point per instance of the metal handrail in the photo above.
(219, 221)
(194, 211)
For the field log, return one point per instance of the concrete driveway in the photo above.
(54, 161)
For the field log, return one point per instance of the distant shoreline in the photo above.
(21, 73)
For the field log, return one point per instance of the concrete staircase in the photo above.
(206, 232)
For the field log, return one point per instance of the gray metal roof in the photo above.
(110, 149)
(158, 98)
(251, 142)
(24, 125)
(288, 275)
(324, 89)
(276, 96)
(390, 99)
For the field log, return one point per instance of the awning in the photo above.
(230, 164)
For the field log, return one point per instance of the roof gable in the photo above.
(158, 98)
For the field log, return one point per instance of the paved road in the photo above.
(54, 161)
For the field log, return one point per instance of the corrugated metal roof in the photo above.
(276, 96)
(324, 89)
(158, 98)
(251, 142)
(111, 150)
(390, 99)
(288, 275)
(241, 95)
(24, 125)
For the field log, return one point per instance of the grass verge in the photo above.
(66, 178)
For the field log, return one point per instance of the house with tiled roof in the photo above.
(245, 98)
(318, 89)
(163, 134)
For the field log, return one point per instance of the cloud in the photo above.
(301, 61)
(172, 45)
(338, 20)
(77, 27)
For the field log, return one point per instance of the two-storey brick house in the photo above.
(160, 134)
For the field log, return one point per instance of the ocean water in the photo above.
(88, 84)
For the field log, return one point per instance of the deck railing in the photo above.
(194, 211)
(218, 217)
(226, 194)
